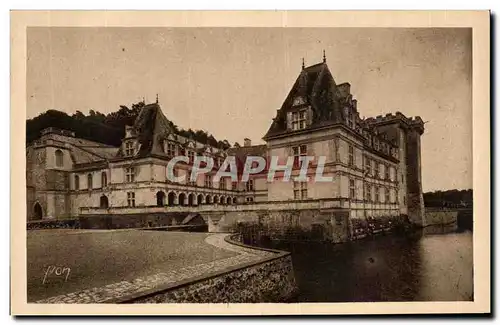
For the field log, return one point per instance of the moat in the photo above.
(434, 265)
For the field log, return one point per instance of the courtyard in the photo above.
(62, 262)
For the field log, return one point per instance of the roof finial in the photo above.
(324, 56)
(303, 64)
(156, 98)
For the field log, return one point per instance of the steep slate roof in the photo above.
(241, 154)
(152, 127)
(316, 85)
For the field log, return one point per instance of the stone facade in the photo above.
(374, 163)
(269, 282)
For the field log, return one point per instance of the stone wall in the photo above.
(440, 217)
(139, 221)
(414, 179)
(313, 224)
(270, 280)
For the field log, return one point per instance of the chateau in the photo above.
(374, 163)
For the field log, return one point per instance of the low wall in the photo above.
(434, 217)
(143, 220)
(268, 280)
(302, 225)
(53, 224)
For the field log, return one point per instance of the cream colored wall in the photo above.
(96, 179)
(50, 162)
(159, 172)
(280, 191)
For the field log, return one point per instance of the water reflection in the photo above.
(421, 267)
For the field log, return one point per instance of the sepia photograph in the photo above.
(233, 165)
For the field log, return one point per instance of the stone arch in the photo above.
(37, 211)
(171, 198)
(216, 199)
(234, 200)
(59, 158)
(104, 202)
(89, 181)
(182, 198)
(160, 198)
(222, 199)
(190, 199)
(104, 179)
(199, 199)
(77, 182)
(208, 199)
(228, 200)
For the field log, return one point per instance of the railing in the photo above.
(253, 206)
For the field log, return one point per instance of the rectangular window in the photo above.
(249, 199)
(387, 172)
(249, 185)
(182, 151)
(351, 156)
(377, 169)
(130, 174)
(208, 181)
(350, 119)
(129, 148)
(191, 156)
(396, 196)
(369, 169)
(77, 182)
(131, 199)
(222, 184)
(170, 149)
(352, 189)
(299, 120)
(377, 194)
(300, 190)
(368, 196)
(298, 151)
(387, 195)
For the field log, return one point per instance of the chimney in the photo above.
(247, 142)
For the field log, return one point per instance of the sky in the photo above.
(231, 81)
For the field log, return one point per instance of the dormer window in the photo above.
(350, 119)
(299, 120)
(170, 149)
(129, 148)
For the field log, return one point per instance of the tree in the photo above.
(108, 129)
